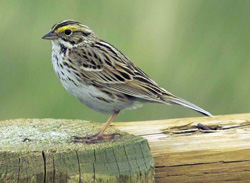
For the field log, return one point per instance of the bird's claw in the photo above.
(92, 139)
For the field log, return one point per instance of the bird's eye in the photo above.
(67, 32)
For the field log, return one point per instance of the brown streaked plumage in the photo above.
(100, 76)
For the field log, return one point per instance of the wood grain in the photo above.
(185, 153)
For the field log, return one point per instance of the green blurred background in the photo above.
(198, 50)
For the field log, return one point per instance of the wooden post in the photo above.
(185, 150)
(41, 151)
(197, 150)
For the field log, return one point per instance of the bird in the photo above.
(102, 77)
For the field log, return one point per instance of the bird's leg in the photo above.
(100, 135)
(112, 118)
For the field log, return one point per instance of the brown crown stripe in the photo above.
(64, 23)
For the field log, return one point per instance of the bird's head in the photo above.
(69, 32)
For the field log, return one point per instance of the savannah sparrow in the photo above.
(100, 76)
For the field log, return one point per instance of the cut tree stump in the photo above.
(197, 150)
(41, 151)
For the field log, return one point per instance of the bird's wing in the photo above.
(105, 66)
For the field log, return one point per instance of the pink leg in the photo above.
(100, 135)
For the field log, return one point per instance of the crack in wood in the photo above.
(105, 155)
(79, 167)
(137, 163)
(19, 168)
(44, 163)
(94, 172)
(119, 172)
(201, 128)
(54, 169)
(143, 156)
(194, 164)
(130, 167)
(144, 159)
(6, 172)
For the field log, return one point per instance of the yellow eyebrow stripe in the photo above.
(72, 28)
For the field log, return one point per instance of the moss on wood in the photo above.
(41, 150)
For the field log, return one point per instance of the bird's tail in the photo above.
(180, 101)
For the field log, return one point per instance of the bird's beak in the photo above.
(50, 36)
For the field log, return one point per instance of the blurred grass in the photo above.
(196, 49)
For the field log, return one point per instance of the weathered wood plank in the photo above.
(185, 153)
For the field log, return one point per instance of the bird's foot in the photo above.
(92, 139)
